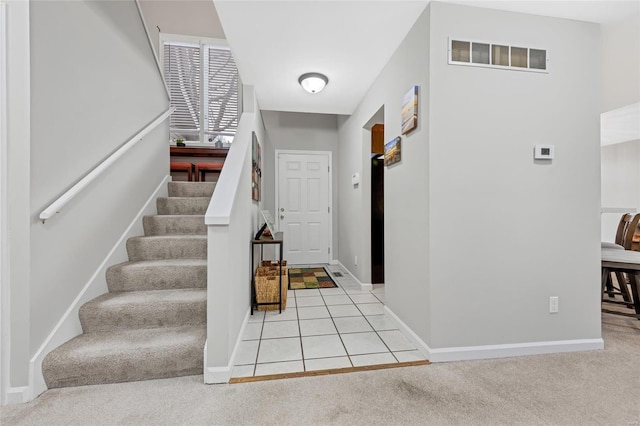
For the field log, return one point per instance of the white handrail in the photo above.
(57, 205)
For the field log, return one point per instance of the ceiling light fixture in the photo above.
(313, 82)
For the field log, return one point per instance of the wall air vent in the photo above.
(494, 55)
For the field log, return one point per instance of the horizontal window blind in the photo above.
(182, 72)
(202, 82)
(222, 105)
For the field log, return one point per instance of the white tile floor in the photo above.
(323, 329)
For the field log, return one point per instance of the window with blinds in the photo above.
(203, 85)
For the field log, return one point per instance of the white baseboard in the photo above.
(466, 353)
(17, 395)
(514, 349)
(363, 286)
(218, 375)
(420, 345)
(69, 325)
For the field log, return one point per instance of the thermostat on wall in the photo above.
(544, 152)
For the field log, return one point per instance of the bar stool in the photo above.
(203, 168)
(178, 166)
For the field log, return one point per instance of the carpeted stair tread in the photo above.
(174, 225)
(122, 356)
(152, 323)
(157, 275)
(191, 189)
(182, 205)
(167, 247)
(145, 309)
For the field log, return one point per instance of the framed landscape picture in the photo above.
(392, 152)
(410, 110)
(256, 168)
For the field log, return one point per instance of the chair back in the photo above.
(623, 225)
(632, 229)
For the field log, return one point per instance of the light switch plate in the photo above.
(355, 179)
(544, 152)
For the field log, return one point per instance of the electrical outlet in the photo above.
(553, 305)
(356, 261)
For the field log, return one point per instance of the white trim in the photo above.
(617, 210)
(69, 326)
(189, 40)
(620, 125)
(16, 192)
(58, 204)
(466, 353)
(420, 345)
(329, 194)
(514, 349)
(4, 259)
(363, 286)
(223, 199)
(217, 375)
(153, 49)
(17, 395)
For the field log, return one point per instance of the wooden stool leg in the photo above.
(624, 289)
(605, 278)
(609, 286)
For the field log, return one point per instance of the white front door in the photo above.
(302, 206)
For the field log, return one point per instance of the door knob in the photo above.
(281, 216)
(281, 209)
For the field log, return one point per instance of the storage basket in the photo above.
(266, 283)
(274, 263)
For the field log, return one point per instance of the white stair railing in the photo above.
(58, 204)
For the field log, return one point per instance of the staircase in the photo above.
(152, 323)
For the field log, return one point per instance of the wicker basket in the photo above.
(266, 282)
(274, 263)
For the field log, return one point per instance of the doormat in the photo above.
(301, 278)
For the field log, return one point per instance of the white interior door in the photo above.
(302, 206)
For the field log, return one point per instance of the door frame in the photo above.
(329, 156)
(4, 263)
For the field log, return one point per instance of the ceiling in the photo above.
(274, 42)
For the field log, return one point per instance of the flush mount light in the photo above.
(313, 82)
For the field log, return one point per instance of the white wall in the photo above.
(406, 190)
(621, 62)
(94, 84)
(620, 88)
(305, 132)
(479, 233)
(232, 219)
(195, 18)
(16, 344)
(4, 262)
(532, 227)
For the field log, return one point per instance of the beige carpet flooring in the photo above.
(581, 388)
